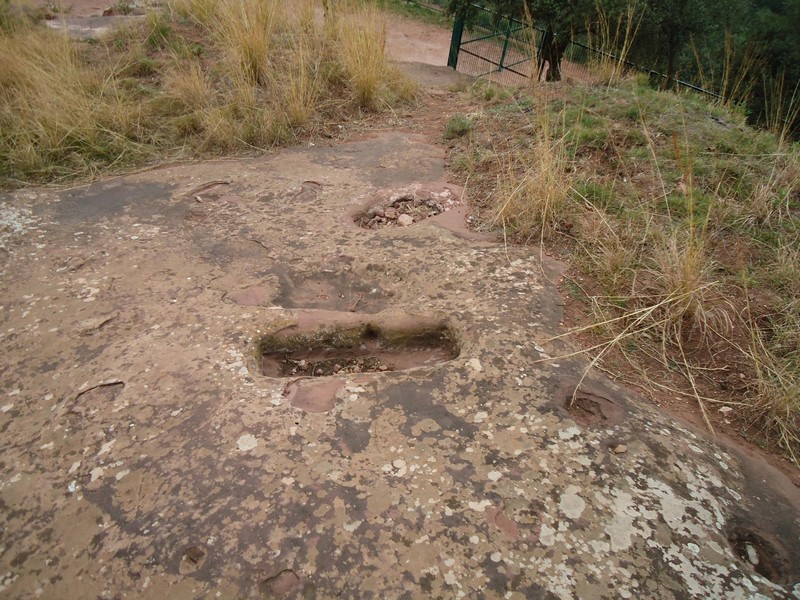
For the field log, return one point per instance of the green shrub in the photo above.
(457, 126)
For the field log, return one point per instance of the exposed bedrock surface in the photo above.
(146, 453)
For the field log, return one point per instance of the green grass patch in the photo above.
(457, 125)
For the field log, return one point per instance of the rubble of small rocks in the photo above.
(320, 368)
(406, 208)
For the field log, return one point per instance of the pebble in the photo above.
(400, 467)
(480, 417)
(405, 220)
(752, 555)
(247, 442)
(405, 197)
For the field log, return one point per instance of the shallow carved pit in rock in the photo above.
(192, 559)
(279, 585)
(402, 209)
(356, 348)
(767, 558)
(96, 398)
(588, 408)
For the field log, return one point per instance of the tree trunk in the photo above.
(673, 45)
(670, 70)
(552, 51)
(547, 42)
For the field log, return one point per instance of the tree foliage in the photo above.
(707, 42)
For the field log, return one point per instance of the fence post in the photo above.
(455, 42)
(505, 46)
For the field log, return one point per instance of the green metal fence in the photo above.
(491, 44)
(434, 5)
(508, 49)
(494, 44)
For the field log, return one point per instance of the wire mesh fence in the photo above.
(485, 51)
(502, 47)
(507, 50)
(434, 5)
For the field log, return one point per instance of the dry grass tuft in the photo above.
(188, 84)
(245, 31)
(785, 269)
(362, 39)
(201, 12)
(782, 107)
(614, 37)
(769, 203)
(58, 116)
(198, 77)
(683, 270)
(774, 403)
(302, 88)
(534, 188)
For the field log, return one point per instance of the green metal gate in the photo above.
(494, 44)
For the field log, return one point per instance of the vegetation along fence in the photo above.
(508, 49)
(439, 6)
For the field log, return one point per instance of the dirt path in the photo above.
(147, 454)
(413, 41)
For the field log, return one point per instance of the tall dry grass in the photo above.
(781, 107)
(59, 116)
(735, 76)
(534, 187)
(683, 269)
(198, 77)
(614, 36)
(200, 12)
(773, 403)
(362, 39)
(302, 87)
(245, 31)
(188, 84)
